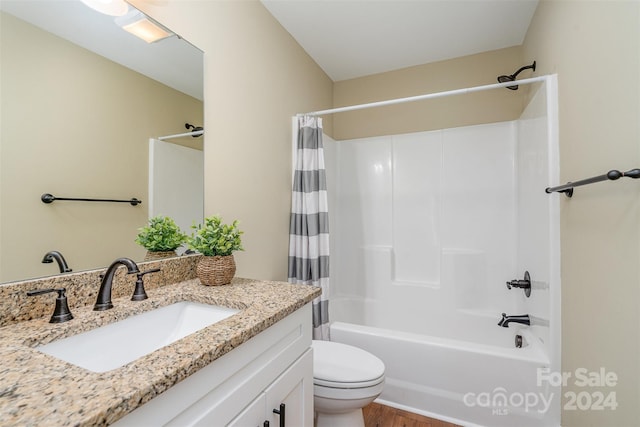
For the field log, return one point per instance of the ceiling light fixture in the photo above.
(140, 25)
(108, 7)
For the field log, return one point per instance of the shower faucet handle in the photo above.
(518, 284)
(524, 284)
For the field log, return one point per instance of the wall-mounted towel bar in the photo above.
(50, 198)
(612, 175)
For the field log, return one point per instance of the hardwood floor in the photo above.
(376, 415)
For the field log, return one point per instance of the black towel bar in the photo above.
(50, 198)
(612, 175)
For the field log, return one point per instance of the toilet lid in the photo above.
(340, 363)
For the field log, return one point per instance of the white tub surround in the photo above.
(427, 229)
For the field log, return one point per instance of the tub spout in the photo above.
(522, 319)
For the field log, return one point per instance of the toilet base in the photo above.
(347, 419)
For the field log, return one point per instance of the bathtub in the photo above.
(486, 383)
(427, 228)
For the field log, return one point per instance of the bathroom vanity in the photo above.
(271, 372)
(251, 367)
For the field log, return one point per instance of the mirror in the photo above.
(80, 99)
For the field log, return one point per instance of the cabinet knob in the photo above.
(281, 412)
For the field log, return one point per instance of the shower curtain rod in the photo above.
(422, 97)
(196, 133)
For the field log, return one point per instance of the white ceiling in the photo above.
(172, 61)
(347, 38)
(354, 38)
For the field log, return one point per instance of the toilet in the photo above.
(345, 380)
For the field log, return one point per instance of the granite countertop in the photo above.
(37, 389)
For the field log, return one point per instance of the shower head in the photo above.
(193, 128)
(512, 77)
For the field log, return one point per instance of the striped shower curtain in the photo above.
(309, 226)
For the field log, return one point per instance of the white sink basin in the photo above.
(117, 344)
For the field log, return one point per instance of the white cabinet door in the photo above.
(293, 389)
(252, 415)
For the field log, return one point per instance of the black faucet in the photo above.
(61, 313)
(523, 319)
(139, 293)
(62, 263)
(104, 294)
(524, 284)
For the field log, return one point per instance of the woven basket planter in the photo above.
(216, 270)
(154, 255)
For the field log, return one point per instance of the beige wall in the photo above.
(474, 70)
(594, 47)
(256, 78)
(74, 125)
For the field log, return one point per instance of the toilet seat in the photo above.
(341, 366)
(342, 393)
(345, 380)
(334, 384)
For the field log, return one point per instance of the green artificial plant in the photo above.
(215, 238)
(162, 234)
